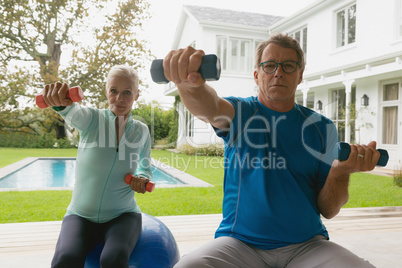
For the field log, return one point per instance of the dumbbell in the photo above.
(75, 94)
(210, 69)
(342, 151)
(149, 187)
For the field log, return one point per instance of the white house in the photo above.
(354, 64)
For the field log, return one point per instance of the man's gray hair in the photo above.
(283, 40)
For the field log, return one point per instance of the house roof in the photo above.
(209, 14)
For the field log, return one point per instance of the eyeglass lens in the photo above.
(287, 66)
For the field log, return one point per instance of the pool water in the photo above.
(45, 173)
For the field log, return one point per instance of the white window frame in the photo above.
(189, 123)
(335, 114)
(346, 26)
(302, 41)
(388, 104)
(244, 63)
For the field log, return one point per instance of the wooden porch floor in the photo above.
(372, 233)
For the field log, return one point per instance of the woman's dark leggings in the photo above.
(78, 237)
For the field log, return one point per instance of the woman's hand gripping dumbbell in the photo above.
(149, 186)
(59, 94)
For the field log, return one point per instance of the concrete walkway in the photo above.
(374, 234)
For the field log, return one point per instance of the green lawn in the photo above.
(367, 190)
(11, 155)
(24, 206)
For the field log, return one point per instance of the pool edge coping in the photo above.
(187, 179)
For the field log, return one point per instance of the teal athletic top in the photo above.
(100, 193)
(275, 165)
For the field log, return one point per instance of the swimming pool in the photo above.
(53, 173)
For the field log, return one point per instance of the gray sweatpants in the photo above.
(227, 252)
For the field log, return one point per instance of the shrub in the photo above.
(187, 149)
(208, 150)
(164, 144)
(398, 177)
(161, 123)
(25, 140)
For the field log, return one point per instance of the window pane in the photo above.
(310, 101)
(352, 24)
(234, 54)
(189, 124)
(341, 130)
(338, 111)
(224, 53)
(334, 105)
(391, 92)
(341, 103)
(340, 35)
(221, 51)
(256, 43)
(297, 36)
(299, 99)
(390, 125)
(245, 60)
(305, 41)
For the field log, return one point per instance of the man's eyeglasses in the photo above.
(270, 67)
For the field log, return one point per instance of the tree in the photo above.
(159, 121)
(36, 31)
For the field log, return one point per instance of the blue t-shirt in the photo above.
(275, 165)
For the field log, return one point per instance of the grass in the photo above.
(11, 155)
(28, 206)
(49, 205)
(366, 190)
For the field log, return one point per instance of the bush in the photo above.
(25, 140)
(161, 123)
(208, 150)
(398, 177)
(164, 144)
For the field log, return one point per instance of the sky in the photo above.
(160, 30)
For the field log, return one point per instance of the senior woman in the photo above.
(112, 144)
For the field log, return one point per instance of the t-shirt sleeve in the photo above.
(227, 134)
(328, 156)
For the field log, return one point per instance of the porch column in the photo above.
(348, 90)
(304, 88)
(305, 91)
(182, 124)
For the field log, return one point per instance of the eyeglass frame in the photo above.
(277, 65)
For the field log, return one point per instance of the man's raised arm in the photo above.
(181, 67)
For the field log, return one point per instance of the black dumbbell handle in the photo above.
(210, 69)
(342, 151)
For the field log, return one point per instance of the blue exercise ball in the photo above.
(155, 248)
